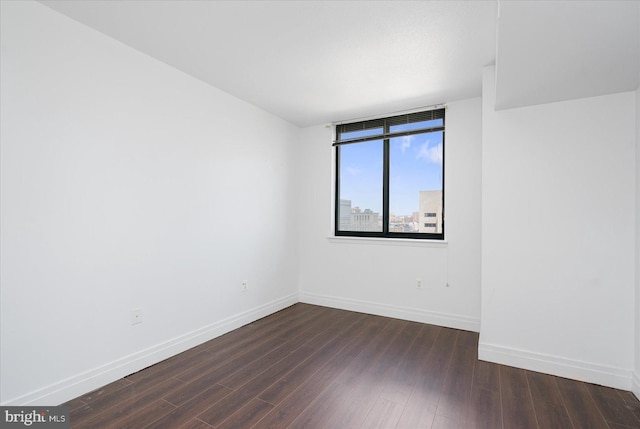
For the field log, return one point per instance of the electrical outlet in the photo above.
(136, 316)
(418, 283)
(245, 285)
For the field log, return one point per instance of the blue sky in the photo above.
(415, 165)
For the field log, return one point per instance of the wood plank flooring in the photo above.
(316, 367)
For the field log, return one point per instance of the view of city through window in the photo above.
(428, 219)
(415, 184)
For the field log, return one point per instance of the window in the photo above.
(388, 171)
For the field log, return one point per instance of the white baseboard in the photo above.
(405, 313)
(80, 384)
(562, 367)
(635, 384)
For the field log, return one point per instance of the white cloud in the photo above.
(435, 154)
(430, 154)
(353, 171)
(405, 143)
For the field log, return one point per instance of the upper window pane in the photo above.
(417, 126)
(361, 133)
(360, 187)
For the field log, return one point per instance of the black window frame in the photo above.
(386, 136)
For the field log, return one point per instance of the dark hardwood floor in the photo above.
(316, 367)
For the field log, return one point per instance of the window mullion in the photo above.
(385, 187)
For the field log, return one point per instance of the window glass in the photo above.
(415, 181)
(416, 125)
(360, 202)
(361, 133)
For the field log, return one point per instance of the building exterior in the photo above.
(430, 215)
(355, 219)
(403, 223)
(366, 220)
(345, 216)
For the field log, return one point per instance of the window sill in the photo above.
(411, 242)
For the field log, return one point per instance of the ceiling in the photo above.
(561, 50)
(314, 62)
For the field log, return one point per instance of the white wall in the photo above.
(379, 276)
(557, 236)
(126, 183)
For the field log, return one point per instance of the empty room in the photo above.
(320, 214)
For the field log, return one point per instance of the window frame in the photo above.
(386, 123)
